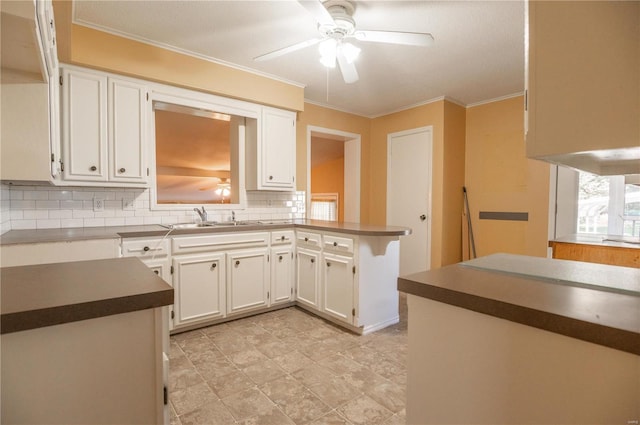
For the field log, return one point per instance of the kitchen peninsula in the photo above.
(84, 342)
(516, 339)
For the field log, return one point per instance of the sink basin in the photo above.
(237, 223)
(191, 225)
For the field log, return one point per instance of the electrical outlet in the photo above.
(128, 204)
(98, 204)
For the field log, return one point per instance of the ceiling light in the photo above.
(328, 50)
(349, 51)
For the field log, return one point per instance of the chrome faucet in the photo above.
(202, 214)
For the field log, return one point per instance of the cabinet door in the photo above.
(338, 283)
(84, 126)
(127, 131)
(248, 280)
(162, 269)
(199, 283)
(307, 285)
(278, 149)
(281, 274)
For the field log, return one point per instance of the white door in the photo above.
(409, 195)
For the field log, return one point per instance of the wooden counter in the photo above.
(616, 251)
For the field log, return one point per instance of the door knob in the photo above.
(423, 217)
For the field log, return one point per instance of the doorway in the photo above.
(333, 171)
(409, 162)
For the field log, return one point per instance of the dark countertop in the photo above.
(52, 294)
(559, 296)
(76, 234)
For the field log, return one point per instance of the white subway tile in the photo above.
(47, 224)
(152, 220)
(60, 214)
(83, 214)
(23, 224)
(113, 204)
(104, 214)
(71, 222)
(61, 195)
(23, 205)
(47, 205)
(124, 213)
(133, 221)
(16, 194)
(114, 221)
(79, 195)
(35, 195)
(16, 214)
(94, 222)
(35, 214)
(71, 205)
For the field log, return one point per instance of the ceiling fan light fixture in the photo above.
(328, 49)
(349, 51)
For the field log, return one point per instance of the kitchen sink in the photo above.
(191, 225)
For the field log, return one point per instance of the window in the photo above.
(324, 206)
(608, 205)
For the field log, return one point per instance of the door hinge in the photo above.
(53, 159)
(173, 314)
(268, 294)
(165, 395)
(291, 291)
(147, 95)
(268, 258)
(61, 80)
(61, 165)
(353, 312)
(147, 171)
(354, 269)
(171, 269)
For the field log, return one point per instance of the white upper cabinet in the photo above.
(103, 129)
(583, 85)
(127, 127)
(271, 151)
(84, 126)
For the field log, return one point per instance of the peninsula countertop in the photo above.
(74, 234)
(52, 294)
(592, 302)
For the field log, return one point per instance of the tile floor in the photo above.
(288, 367)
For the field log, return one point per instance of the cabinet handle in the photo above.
(237, 262)
(146, 248)
(93, 168)
(313, 260)
(280, 258)
(156, 272)
(214, 265)
(335, 244)
(122, 170)
(270, 177)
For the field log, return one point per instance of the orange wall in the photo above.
(88, 47)
(329, 178)
(500, 178)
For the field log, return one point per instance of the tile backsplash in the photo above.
(50, 207)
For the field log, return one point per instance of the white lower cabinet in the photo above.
(282, 272)
(247, 280)
(338, 277)
(308, 278)
(199, 283)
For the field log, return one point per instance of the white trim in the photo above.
(381, 325)
(495, 99)
(186, 52)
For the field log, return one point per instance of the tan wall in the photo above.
(329, 178)
(328, 118)
(87, 47)
(500, 178)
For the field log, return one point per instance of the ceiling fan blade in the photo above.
(395, 37)
(318, 11)
(348, 69)
(288, 49)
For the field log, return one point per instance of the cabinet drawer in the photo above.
(145, 248)
(338, 243)
(308, 239)
(185, 244)
(282, 237)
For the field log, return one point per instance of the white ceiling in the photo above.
(478, 53)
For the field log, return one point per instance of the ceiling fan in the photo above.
(336, 25)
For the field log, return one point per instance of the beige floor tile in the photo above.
(246, 357)
(313, 375)
(215, 369)
(206, 356)
(339, 364)
(273, 417)
(387, 368)
(263, 371)
(196, 345)
(283, 391)
(399, 418)
(363, 355)
(273, 348)
(293, 361)
(183, 378)
(189, 399)
(247, 404)
(364, 378)
(331, 418)
(231, 383)
(213, 413)
(389, 394)
(365, 411)
(306, 408)
(336, 391)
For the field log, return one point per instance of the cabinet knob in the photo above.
(282, 238)
(335, 244)
(313, 260)
(214, 265)
(122, 170)
(237, 262)
(328, 264)
(145, 249)
(270, 177)
(93, 168)
(280, 258)
(306, 239)
(156, 272)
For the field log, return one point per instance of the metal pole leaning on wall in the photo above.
(468, 211)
